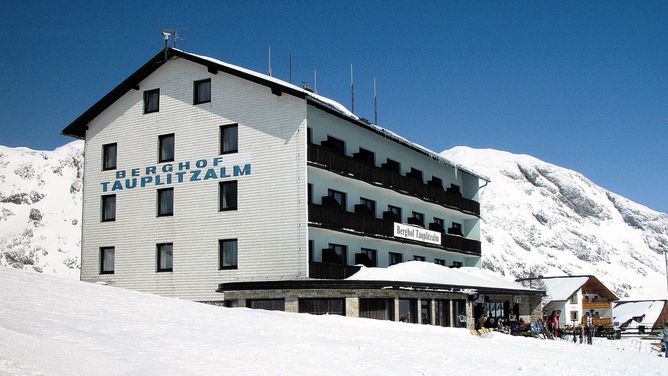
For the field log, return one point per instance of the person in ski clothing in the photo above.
(554, 320)
(590, 327)
(481, 321)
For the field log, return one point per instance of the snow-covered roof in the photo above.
(558, 289)
(425, 272)
(648, 310)
(341, 109)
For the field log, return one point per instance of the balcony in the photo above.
(327, 270)
(586, 305)
(340, 220)
(361, 169)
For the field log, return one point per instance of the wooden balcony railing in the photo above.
(586, 305)
(361, 169)
(339, 219)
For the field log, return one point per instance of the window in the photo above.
(395, 210)
(151, 101)
(107, 258)
(166, 149)
(228, 253)
(165, 202)
(376, 308)
(391, 165)
(439, 222)
(408, 310)
(574, 299)
(442, 312)
(109, 157)
(228, 195)
(457, 264)
(322, 306)
(309, 135)
(267, 304)
(439, 262)
(340, 197)
(371, 254)
(370, 204)
(574, 315)
(365, 155)
(436, 182)
(108, 208)
(164, 259)
(396, 258)
(415, 174)
(425, 311)
(456, 229)
(335, 254)
(229, 139)
(202, 91)
(418, 258)
(418, 219)
(310, 193)
(335, 144)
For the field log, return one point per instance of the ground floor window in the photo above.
(425, 311)
(380, 309)
(442, 313)
(408, 310)
(459, 313)
(268, 304)
(323, 306)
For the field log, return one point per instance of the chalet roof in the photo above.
(647, 311)
(561, 288)
(78, 127)
(424, 272)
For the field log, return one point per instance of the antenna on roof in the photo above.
(375, 103)
(315, 80)
(269, 61)
(172, 34)
(352, 91)
(165, 36)
(290, 69)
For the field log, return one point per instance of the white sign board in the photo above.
(417, 234)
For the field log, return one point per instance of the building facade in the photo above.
(200, 173)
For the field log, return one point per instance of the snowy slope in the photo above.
(555, 221)
(55, 326)
(40, 209)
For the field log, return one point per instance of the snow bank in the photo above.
(56, 326)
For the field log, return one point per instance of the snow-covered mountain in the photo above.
(40, 209)
(548, 220)
(535, 216)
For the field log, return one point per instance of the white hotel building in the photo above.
(211, 182)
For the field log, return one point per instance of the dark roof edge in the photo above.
(562, 276)
(325, 284)
(641, 301)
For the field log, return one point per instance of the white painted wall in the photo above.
(270, 223)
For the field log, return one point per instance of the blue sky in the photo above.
(580, 84)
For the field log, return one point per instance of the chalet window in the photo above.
(456, 264)
(107, 259)
(267, 304)
(228, 195)
(396, 258)
(310, 193)
(372, 255)
(322, 306)
(166, 150)
(310, 250)
(109, 156)
(335, 144)
(408, 310)
(395, 210)
(165, 257)
(417, 219)
(376, 308)
(339, 197)
(436, 182)
(365, 155)
(442, 312)
(370, 205)
(415, 174)
(165, 202)
(439, 222)
(574, 299)
(229, 139)
(108, 208)
(456, 229)
(309, 135)
(425, 311)
(454, 189)
(391, 165)
(202, 91)
(227, 249)
(437, 225)
(418, 258)
(151, 101)
(574, 315)
(439, 262)
(335, 254)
